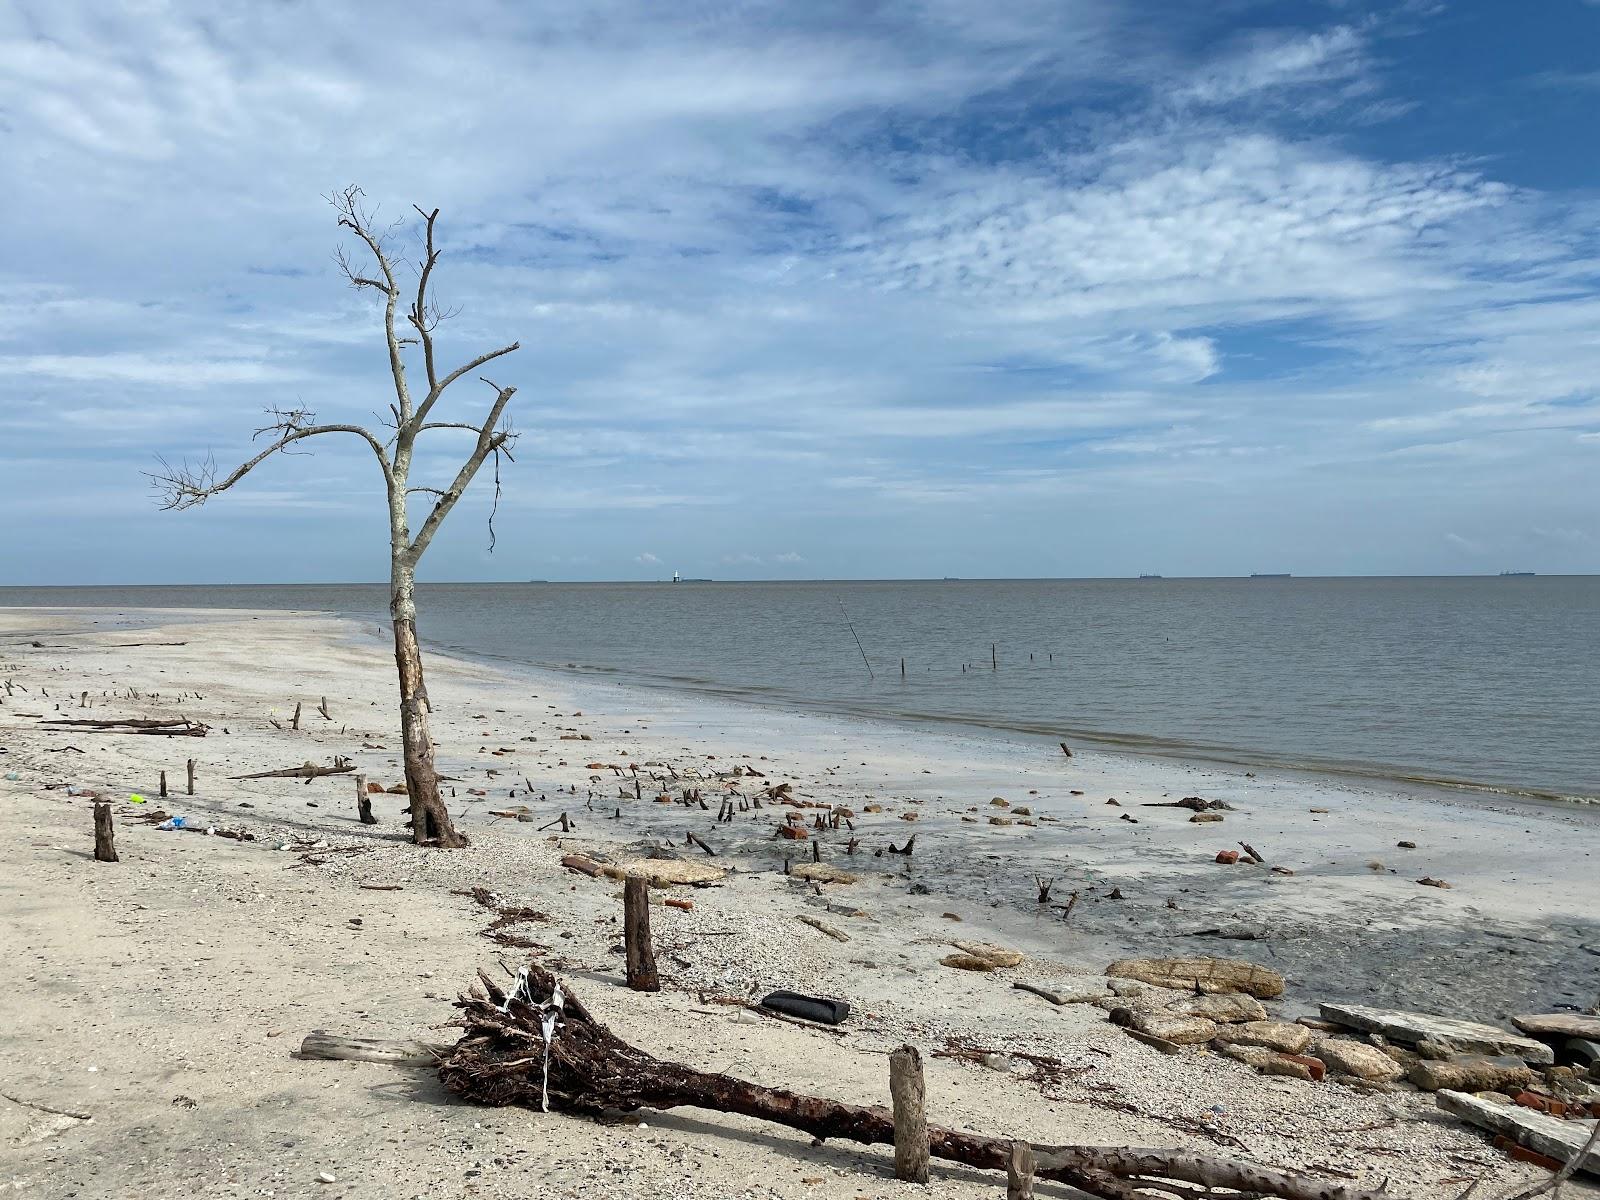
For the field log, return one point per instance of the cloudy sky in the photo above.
(945, 287)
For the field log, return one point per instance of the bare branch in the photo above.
(438, 390)
(190, 485)
(449, 425)
(490, 440)
(352, 217)
(424, 321)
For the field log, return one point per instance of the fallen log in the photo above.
(319, 1043)
(179, 728)
(539, 1046)
(307, 771)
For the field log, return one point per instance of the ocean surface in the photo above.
(1487, 682)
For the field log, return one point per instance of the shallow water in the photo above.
(1493, 682)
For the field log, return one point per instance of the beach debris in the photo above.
(1227, 857)
(320, 1044)
(1176, 1028)
(182, 727)
(1406, 845)
(1275, 1062)
(1410, 1028)
(582, 864)
(1065, 749)
(1430, 881)
(105, 849)
(820, 1009)
(999, 956)
(1196, 804)
(1250, 852)
(1568, 1142)
(1202, 974)
(816, 872)
(307, 770)
(823, 927)
(907, 1092)
(642, 975)
(1205, 818)
(968, 962)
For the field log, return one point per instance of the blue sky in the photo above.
(835, 289)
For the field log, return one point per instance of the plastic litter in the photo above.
(135, 798)
(808, 1008)
(13, 776)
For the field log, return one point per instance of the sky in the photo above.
(824, 290)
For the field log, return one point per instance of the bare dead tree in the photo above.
(188, 485)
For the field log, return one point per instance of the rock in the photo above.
(795, 833)
(1154, 1042)
(1561, 1140)
(1284, 1036)
(1209, 975)
(1350, 1057)
(997, 956)
(1206, 819)
(663, 871)
(1471, 1073)
(1321, 1026)
(1174, 1027)
(1271, 1062)
(1227, 857)
(1559, 1025)
(1459, 1036)
(821, 873)
(967, 962)
(1224, 1008)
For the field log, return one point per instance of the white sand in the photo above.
(165, 994)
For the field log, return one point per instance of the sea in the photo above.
(1478, 683)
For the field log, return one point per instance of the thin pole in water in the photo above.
(855, 635)
(994, 658)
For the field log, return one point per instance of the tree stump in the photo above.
(642, 975)
(1019, 1172)
(910, 1121)
(364, 802)
(191, 776)
(163, 785)
(105, 849)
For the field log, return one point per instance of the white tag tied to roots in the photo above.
(549, 1018)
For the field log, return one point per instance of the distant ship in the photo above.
(1516, 574)
(1271, 575)
(1149, 577)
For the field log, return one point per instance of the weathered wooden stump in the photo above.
(105, 849)
(642, 976)
(907, 1092)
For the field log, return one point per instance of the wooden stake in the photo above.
(906, 1090)
(105, 849)
(994, 658)
(1019, 1172)
(902, 668)
(163, 785)
(642, 975)
(364, 802)
(323, 709)
(294, 723)
(190, 768)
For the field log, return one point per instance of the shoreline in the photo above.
(192, 968)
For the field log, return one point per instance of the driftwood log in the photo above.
(307, 771)
(503, 1058)
(180, 728)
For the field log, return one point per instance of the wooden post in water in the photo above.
(190, 768)
(994, 658)
(642, 975)
(906, 1090)
(105, 849)
(902, 668)
(1019, 1172)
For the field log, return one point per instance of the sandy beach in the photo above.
(163, 996)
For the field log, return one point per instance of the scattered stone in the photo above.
(1469, 1037)
(1406, 845)
(1205, 818)
(1227, 857)
(1350, 1057)
(997, 956)
(967, 962)
(1284, 1036)
(1471, 1073)
(1172, 1027)
(1202, 974)
(1561, 1140)
(1559, 1025)
(1430, 881)
(1224, 1008)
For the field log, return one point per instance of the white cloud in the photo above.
(647, 559)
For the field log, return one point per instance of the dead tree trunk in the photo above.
(642, 975)
(502, 1057)
(906, 1091)
(430, 819)
(1019, 1172)
(105, 849)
